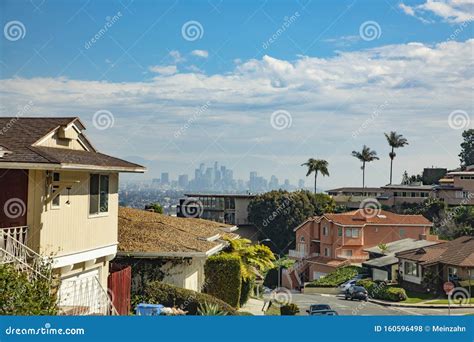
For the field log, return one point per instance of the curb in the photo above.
(420, 306)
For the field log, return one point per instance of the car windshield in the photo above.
(319, 307)
(359, 289)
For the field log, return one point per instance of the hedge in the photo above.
(168, 295)
(380, 290)
(224, 278)
(246, 289)
(337, 277)
(289, 310)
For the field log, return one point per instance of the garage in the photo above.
(78, 294)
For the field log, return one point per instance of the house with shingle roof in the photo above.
(329, 241)
(448, 261)
(59, 198)
(169, 249)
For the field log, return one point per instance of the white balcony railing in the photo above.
(294, 253)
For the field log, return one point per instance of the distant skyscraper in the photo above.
(183, 181)
(165, 178)
(301, 183)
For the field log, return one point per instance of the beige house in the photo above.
(59, 199)
(169, 249)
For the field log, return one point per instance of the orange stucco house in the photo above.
(326, 242)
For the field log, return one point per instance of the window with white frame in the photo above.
(411, 268)
(99, 194)
(326, 230)
(347, 252)
(352, 232)
(327, 251)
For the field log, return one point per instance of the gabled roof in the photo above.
(21, 137)
(147, 234)
(355, 189)
(360, 217)
(401, 245)
(458, 252)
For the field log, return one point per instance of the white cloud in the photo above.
(164, 69)
(411, 87)
(452, 11)
(200, 53)
(176, 56)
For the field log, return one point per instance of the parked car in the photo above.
(325, 313)
(357, 292)
(316, 309)
(344, 286)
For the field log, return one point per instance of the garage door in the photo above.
(80, 294)
(379, 274)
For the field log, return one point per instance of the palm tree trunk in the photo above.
(391, 166)
(363, 175)
(315, 182)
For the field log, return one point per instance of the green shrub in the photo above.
(170, 296)
(380, 290)
(337, 277)
(22, 296)
(289, 310)
(246, 290)
(224, 278)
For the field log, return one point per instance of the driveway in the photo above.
(347, 307)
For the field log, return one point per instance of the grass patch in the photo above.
(273, 311)
(445, 301)
(416, 297)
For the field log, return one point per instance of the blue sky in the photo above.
(338, 74)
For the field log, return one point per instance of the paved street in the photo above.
(347, 307)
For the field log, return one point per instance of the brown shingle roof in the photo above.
(458, 252)
(357, 217)
(143, 232)
(18, 135)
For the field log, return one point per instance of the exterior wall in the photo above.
(241, 211)
(303, 238)
(374, 235)
(70, 229)
(183, 274)
(319, 268)
(56, 141)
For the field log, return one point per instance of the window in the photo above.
(411, 268)
(339, 231)
(56, 202)
(352, 233)
(325, 230)
(327, 251)
(99, 194)
(347, 252)
(402, 232)
(302, 239)
(452, 273)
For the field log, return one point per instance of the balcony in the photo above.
(294, 253)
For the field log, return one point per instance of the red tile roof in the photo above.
(360, 217)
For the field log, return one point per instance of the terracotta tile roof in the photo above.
(358, 218)
(328, 261)
(141, 231)
(17, 135)
(458, 252)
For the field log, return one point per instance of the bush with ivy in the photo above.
(223, 274)
(173, 296)
(21, 295)
(337, 277)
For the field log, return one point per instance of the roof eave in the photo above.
(70, 167)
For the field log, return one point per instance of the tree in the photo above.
(277, 213)
(395, 140)
(156, 207)
(316, 166)
(365, 156)
(467, 148)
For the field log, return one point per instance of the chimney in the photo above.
(422, 237)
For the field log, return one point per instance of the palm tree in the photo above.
(316, 165)
(365, 156)
(395, 141)
(256, 259)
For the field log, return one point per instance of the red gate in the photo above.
(119, 283)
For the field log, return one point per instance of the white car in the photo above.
(345, 286)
